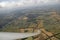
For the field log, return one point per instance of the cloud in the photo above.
(20, 3)
(10, 4)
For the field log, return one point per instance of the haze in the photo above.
(24, 3)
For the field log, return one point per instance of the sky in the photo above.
(23, 3)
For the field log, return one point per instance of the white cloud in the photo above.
(10, 4)
(21, 3)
